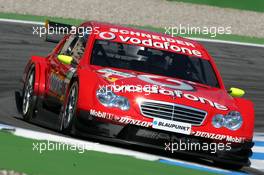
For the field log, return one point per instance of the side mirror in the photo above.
(236, 92)
(65, 59)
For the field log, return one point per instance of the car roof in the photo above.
(155, 36)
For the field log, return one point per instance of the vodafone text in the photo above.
(150, 40)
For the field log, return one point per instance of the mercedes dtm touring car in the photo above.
(138, 87)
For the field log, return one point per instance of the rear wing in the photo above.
(56, 31)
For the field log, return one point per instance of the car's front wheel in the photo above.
(28, 98)
(68, 112)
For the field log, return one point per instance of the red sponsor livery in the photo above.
(117, 82)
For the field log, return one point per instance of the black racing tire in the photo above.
(236, 158)
(229, 166)
(29, 99)
(68, 112)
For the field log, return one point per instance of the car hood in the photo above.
(139, 85)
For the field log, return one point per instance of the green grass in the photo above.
(237, 38)
(251, 5)
(16, 154)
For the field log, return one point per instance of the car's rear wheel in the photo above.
(68, 112)
(28, 98)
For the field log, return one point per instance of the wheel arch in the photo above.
(39, 64)
(248, 113)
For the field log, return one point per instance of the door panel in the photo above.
(57, 74)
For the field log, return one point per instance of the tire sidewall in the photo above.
(68, 128)
(31, 108)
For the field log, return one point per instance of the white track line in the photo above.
(258, 149)
(21, 21)
(228, 42)
(258, 164)
(198, 39)
(258, 138)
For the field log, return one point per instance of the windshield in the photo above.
(148, 60)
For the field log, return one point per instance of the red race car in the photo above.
(138, 87)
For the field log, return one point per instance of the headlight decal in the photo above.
(109, 99)
(233, 120)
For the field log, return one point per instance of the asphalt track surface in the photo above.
(240, 66)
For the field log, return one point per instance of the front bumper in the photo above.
(88, 126)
